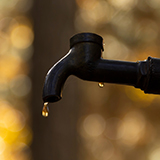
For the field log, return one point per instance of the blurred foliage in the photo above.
(120, 122)
(16, 37)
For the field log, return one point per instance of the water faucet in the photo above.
(85, 61)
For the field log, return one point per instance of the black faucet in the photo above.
(84, 61)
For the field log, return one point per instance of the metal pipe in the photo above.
(84, 61)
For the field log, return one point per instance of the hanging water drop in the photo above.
(45, 110)
(101, 84)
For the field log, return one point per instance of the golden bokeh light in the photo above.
(20, 85)
(22, 37)
(21, 152)
(7, 24)
(137, 95)
(100, 13)
(147, 30)
(155, 154)
(80, 22)
(102, 149)
(11, 69)
(26, 135)
(94, 125)
(24, 6)
(153, 3)
(134, 124)
(8, 4)
(130, 32)
(115, 128)
(3, 130)
(3, 88)
(2, 145)
(16, 37)
(114, 49)
(2, 157)
(87, 4)
(5, 44)
(14, 121)
(123, 4)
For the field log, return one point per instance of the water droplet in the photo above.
(45, 110)
(101, 84)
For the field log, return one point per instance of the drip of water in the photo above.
(45, 110)
(101, 84)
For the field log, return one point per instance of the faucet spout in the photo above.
(84, 61)
(56, 78)
(84, 50)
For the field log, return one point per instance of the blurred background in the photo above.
(90, 123)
